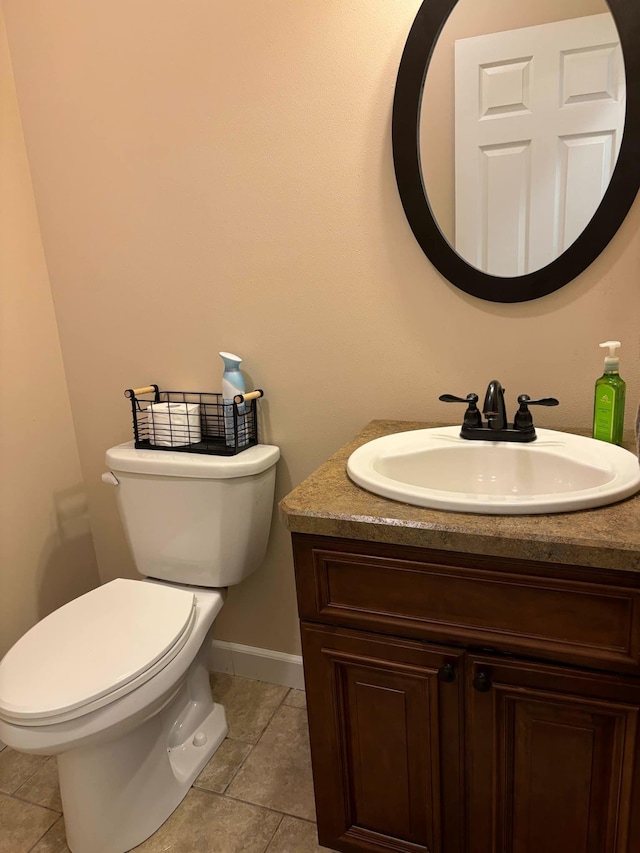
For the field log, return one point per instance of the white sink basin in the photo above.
(436, 468)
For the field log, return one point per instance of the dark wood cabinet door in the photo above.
(551, 758)
(385, 726)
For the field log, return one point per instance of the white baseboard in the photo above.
(261, 664)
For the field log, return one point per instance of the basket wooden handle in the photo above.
(250, 395)
(148, 389)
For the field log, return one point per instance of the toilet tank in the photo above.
(193, 518)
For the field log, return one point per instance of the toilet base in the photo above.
(117, 794)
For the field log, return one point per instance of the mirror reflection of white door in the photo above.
(539, 121)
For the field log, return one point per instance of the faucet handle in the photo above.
(449, 398)
(525, 400)
(523, 419)
(472, 417)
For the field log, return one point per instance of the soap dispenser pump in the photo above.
(232, 384)
(610, 392)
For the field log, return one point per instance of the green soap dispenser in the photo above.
(608, 408)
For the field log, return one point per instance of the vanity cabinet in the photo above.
(469, 704)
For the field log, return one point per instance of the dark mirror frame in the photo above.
(613, 208)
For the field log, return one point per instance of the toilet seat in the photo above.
(94, 650)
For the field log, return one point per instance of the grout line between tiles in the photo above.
(31, 803)
(47, 830)
(237, 770)
(24, 781)
(268, 808)
(266, 725)
(273, 713)
(249, 803)
(252, 746)
(270, 842)
(281, 704)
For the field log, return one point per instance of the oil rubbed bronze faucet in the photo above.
(494, 410)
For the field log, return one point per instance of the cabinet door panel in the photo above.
(385, 736)
(552, 754)
(386, 764)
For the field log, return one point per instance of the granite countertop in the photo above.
(327, 503)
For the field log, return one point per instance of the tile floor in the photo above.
(254, 796)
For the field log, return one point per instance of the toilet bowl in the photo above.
(116, 682)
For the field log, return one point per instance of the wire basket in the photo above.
(192, 421)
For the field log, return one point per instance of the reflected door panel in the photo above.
(539, 118)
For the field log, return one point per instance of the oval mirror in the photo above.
(516, 137)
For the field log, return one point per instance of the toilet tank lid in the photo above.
(253, 460)
(93, 646)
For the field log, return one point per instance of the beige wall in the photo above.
(46, 551)
(214, 175)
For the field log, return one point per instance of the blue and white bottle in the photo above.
(232, 384)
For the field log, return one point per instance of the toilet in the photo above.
(116, 682)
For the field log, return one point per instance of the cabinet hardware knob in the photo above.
(447, 673)
(482, 682)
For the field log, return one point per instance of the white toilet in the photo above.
(116, 683)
